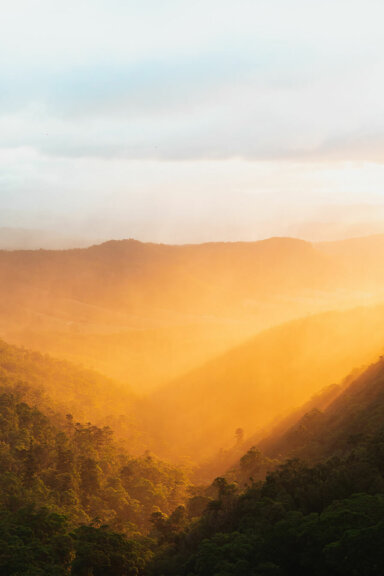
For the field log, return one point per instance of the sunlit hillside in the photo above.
(249, 388)
(58, 388)
(146, 313)
(260, 381)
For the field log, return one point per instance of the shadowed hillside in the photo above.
(352, 418)
(322, 514)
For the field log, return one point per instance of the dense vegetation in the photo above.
(324, 518)
(73, 502)
(62, 482)
(59, 387)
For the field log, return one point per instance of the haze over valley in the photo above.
(239, 325)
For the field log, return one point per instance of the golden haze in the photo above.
(206, 338)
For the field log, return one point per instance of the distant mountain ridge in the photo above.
(174, 306)
(148, 313)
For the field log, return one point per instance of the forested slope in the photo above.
(254, 384)
(72, 502)
(62, 388)
(62, 483)
(322, 515)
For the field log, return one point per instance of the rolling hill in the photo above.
(147, 313)
(256, 383)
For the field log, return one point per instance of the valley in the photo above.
(147, 396)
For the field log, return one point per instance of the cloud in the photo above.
(151, 114)
(250, 119)
(256, 80)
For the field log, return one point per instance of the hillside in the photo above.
(60, 388)
(79, 469)
(148, 313)
(322, 516)
(75, 501)
(178, 320)
(254, 384)
(62, 482)
(253, 456)
(354, 417)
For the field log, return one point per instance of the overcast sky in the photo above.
(186, 121)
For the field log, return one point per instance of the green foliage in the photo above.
(101, 552)
(281, 527)
(60, 484)
(33, 543)
(60, 387)
(72, 503)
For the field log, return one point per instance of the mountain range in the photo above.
(145, 314)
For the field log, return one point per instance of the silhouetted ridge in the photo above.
(354, 416)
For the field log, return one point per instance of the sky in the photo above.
(179, 121)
